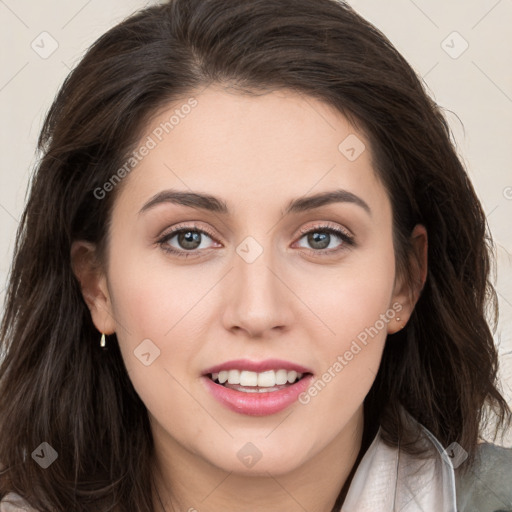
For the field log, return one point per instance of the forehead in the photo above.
(246, 147)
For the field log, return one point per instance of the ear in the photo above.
(93, 284)
(407, 293)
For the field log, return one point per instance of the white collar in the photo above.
(388, 479)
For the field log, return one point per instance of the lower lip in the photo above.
(257, 404)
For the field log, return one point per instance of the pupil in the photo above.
(189, 239)
(318, 240)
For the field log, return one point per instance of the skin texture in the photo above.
(256, 153)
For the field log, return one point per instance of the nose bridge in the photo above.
(257, 297)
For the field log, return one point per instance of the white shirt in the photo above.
(388, 479)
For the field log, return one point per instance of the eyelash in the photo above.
(348, 240)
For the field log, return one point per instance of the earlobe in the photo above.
(93, 284)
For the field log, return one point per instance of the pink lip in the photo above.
(257, 366)
(257, 404)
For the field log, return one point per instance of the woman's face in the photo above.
(284, 266)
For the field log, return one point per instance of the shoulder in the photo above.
(487, 486)
(14, 503)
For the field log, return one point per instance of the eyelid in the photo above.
(326, 226)
(184, 226)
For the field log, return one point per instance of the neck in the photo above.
(186, 482)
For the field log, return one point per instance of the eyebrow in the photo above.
(213, 204)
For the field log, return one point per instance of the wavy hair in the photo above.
(58, 386)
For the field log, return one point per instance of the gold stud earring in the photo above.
(400, 327)
(102, 341)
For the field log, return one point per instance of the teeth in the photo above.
(266, 379)
(281, 377)
(234, 377)
(248, 378)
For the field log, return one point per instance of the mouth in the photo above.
(257, 388)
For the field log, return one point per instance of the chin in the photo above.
(260, 457)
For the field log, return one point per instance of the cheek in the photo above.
(156, 317)
(350, 358)
(149, 296)
(355, 312)
(351, 298)
(161, 311)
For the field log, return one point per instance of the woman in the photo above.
(252, 274)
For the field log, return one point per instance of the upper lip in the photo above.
(257, 366)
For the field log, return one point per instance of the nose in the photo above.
(258, 301)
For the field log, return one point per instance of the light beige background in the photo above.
(473, 84)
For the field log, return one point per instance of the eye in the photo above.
(187, 240)
(321, 239)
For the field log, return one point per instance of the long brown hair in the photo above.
(57, 385)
